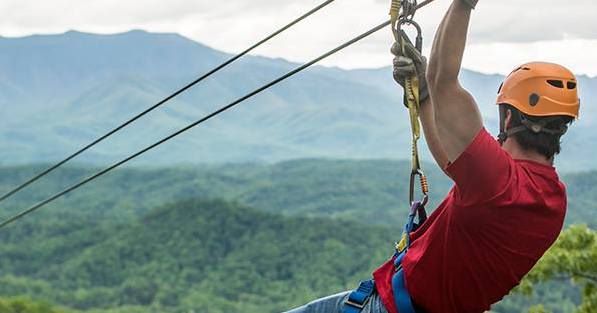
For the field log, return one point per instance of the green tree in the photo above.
(22, 305)
(573, 257)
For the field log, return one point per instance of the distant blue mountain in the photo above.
(58, 92)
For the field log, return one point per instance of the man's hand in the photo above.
(408, 61)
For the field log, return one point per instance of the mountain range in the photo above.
(59, 92)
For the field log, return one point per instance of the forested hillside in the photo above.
(373, 192)
(283, 235)
(203, 256)
(178, 256)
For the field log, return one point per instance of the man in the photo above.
(507, 206)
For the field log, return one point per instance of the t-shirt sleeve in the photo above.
(483, 171)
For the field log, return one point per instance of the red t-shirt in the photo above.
(494, 225)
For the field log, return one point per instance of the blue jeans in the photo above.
(333, 304)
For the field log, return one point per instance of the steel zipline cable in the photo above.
(198, 122)
(162, 102)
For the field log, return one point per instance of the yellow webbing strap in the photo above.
(413, 102)
(395, 15)
(401, 245)
(395, 11)
(411, 87)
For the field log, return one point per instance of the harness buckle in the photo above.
(356, 305)
(359, 297)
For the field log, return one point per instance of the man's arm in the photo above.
(427, 116)
(457, 118)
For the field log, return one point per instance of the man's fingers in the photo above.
(401, 61)
(404, 67)
(396, 49)
(409, 51)
(404, 62)
(413, 53)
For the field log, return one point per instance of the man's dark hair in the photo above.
(544, 143)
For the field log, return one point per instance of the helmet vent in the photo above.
(534, 99)
(556, 83)
(571, 85)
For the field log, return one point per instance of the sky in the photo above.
(503, 33)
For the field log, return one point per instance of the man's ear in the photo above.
(508, 118)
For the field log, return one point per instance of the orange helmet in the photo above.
(541, 89)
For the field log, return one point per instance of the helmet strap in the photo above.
(526, 124)
(503, 136)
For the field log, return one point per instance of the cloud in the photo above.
(493, 21)
(509, 21)
(576, 54)
(32, 15)
(534, 20)
(508, 30)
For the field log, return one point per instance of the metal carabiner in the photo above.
(419, 38)
(424, 187)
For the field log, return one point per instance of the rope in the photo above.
(162, 102)
(196, 123)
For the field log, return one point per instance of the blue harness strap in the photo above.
(402, 298)
(358, 298)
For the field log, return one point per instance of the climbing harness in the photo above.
(402, 14)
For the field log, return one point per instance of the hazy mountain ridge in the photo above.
(61, 91)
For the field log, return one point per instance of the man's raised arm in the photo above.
(457, 117)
